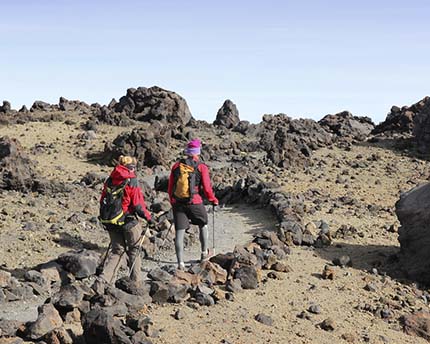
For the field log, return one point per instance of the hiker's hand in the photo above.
(215, 203)
(151, 222)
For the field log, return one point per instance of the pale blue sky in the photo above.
(302, 58)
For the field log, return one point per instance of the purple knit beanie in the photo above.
(193, 147)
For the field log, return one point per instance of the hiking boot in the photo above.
(181, 266)
(204, 256)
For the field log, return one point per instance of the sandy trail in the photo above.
(234, 225)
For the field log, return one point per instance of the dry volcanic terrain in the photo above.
(318, 237)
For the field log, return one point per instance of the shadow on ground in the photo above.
(367, 257)
(76, 242)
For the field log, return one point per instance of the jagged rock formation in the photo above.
(150, 145)
(421, 129)
(345, 126)
(289, 142)
(414, 234)
(152, 104)
(17, 170)
(228, 115)
(401, 120)
(6, 107)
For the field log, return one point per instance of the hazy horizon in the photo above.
(305, 59)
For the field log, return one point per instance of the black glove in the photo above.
(151, 222)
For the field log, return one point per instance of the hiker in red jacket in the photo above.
(124, 232)
(189, 178)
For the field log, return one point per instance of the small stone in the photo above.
(327, 325)
(371, 287)
(328, 272)
(264, 319)
(315, 309)
(179, 314)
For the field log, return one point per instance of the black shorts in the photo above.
(186, 213)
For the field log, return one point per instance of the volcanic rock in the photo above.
(6, 107)
(247, 276)
(289, 142)
(81, 263)
(417, 324)
(99, 327)
(48, 320)
(414, 233)
(17, 171)
(346, 126)
(402, 120)
(228, 115)
(154, 104)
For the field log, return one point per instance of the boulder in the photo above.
(346, 126)
(421, 129)
(48, 320)
(149, 144)
(81, 263)
(39, 105)
(6, 107)
(402, 120)
(154, 104)
(417, 324)
(99, 327)
(289, 142)
(414, 233)
(17, 170)
(248, 276)
(228, 115)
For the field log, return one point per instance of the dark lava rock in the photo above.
(48, 320)
(264, 319)
(81, 263)
(289, 142)
(99, 327)
(414, 232)
(247, 276)
(154, 104)
(17, 170)
(346, 126)
(402, 120)
(228, 115)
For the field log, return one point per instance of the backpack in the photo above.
(111, 205)
(186, 177)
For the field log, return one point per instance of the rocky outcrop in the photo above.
(290, 142)
(346, 126)
(151, 145)
(421, 128)
(17, 170)
(228, 115)
(73, 105)
(6, 107)
(154, 104)
(414, 234)
(401, 120)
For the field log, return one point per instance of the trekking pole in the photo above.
(102, 264)
(167, 235)
(213, 229)
(141, 240)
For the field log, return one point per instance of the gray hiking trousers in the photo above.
(124, 241)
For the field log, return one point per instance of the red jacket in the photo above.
(133, 201)
(205, 183)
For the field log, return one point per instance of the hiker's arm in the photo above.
(170, 186)
(138, 202)
(206, 184)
